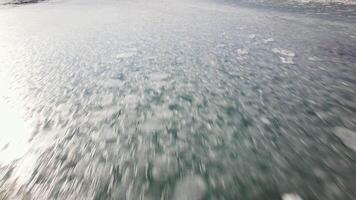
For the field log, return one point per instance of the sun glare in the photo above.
(13, 129)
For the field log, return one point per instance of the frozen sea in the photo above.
(177, 99)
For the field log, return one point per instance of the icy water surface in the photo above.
(175, 100)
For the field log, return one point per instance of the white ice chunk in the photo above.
(291, 196)
(252, 36)
(286, 56)
(242, 52)
(268, 40)
(287, 60)
(283, 52)
(265, 121)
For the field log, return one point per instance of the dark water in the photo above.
(175, 100)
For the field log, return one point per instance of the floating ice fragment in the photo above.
(125, 55)
(190, 188)
(242, 52)
(291, 196)
(252, 36)
(347, 136)
(286, 60)
(287, 56)
(265, 121)
(268, 40)
(283, 52)
(129, 53)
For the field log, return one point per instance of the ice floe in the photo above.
(291, 196)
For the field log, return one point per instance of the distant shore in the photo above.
(347, 2)
(16, 2)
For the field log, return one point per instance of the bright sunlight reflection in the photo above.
(13, 130)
